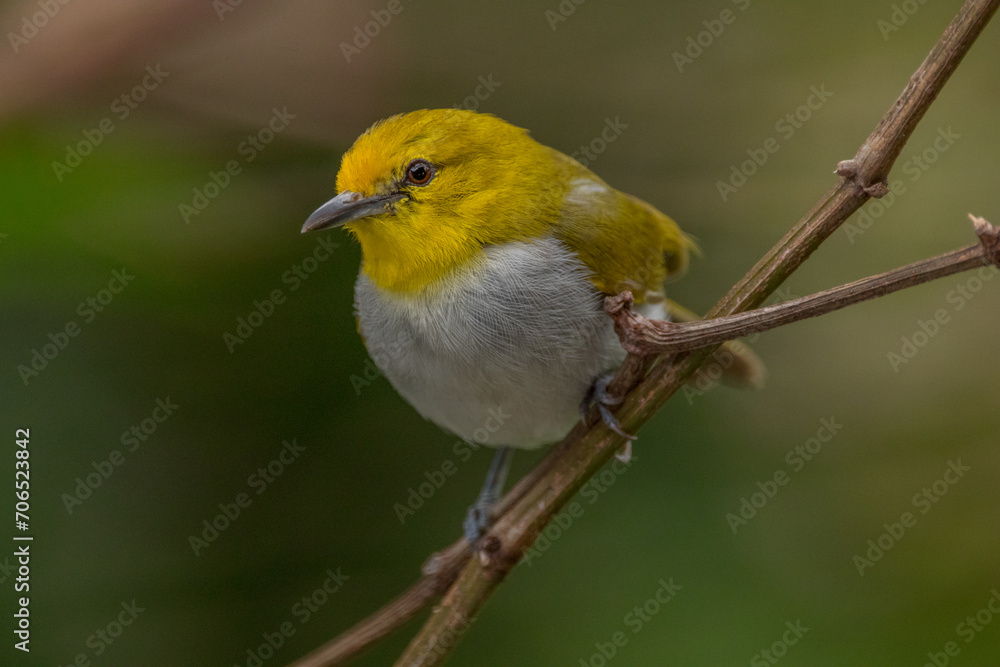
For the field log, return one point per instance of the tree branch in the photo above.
(642, 336)
(538, 497)
(438, 573)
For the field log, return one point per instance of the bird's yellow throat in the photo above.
(406, 258)
(492, 184)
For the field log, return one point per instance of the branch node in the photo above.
(616, 304)
(989, 236)
(432, 565)
(491, 544)
(494, 558)
(848, 169)
(878, 189)
(851, 170)
(638, 334)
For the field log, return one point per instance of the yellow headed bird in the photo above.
(486, 259)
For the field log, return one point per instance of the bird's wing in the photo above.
(629, 244)
(625, 242)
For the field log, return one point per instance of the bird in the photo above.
(486, 257)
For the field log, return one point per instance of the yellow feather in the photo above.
(495, 184)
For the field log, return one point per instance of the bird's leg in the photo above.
(598, 394)
(479, 517)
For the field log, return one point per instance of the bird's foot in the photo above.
(478, 519)
(598, 394)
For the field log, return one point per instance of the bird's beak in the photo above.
(349, 206)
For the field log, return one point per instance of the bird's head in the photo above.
(425, 191)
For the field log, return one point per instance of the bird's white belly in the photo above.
(503, 352)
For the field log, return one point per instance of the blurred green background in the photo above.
(224, 68)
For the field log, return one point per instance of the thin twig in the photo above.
(436, 580)
(643, 336)
(587, 448)
(439, 572)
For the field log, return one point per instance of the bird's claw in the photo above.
(598, 394)
(478, 519)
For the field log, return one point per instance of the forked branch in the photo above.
(539, 496)
(643, 336)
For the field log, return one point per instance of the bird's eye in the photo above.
(419, 172)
